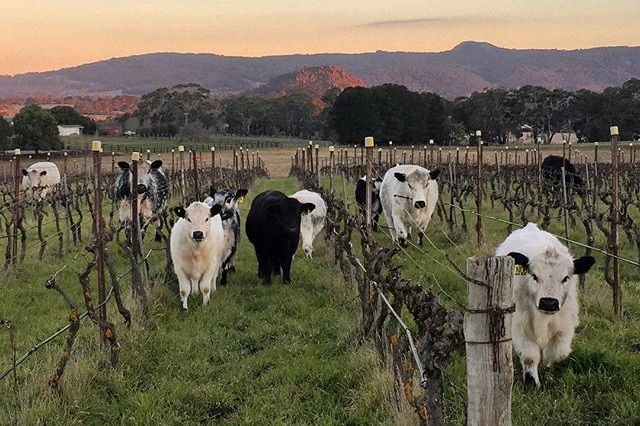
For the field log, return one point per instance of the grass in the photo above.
(288, 354)
(285, 354)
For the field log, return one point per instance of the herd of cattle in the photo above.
(205, 237)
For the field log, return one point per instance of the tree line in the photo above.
(387, 112)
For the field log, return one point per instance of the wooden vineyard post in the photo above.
(317, 162)
(391, 154)
(183, 183)
(17, 180)
(195, 175)
(431, 161)
(614, 241)
(213, 166)
(368, 146)
(98, 221)
(487, 333)
(331, 161)
(480, 238)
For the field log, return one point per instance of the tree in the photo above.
(69, 115)
(36, 128)
(5, 134)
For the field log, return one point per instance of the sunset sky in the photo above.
(40, 35)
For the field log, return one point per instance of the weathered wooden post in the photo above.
(213, 166)
(317, 162)
(487, 333)
(431, 161)
(380, 157)
(331, 155)
(98, 223)
(412, 149)
(614, 213)
(391, 164)
(425, 164)
(480, 239)
(304, 161)
(368, 146)
(195, 175)
(183, 183)
(17, 181)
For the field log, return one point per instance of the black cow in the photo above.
(361, 199)
(230, 215)
(552, 173)
(273, 227)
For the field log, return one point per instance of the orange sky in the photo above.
(40, 35)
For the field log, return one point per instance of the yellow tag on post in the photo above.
(240, 200)
(519, 270)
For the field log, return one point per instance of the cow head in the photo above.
(549, 275)
(197, 217)
(418, 183)
(288, 211)
(228, 199)
(144, 167)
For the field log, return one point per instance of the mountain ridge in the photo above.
(469, 66)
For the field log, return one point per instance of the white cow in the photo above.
(311, 223)
(546, 298)
(409, 195)
(196, 249)
(40, 178)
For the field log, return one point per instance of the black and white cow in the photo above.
(230, 214)
(152, 189)
(273, 227)
(552, 173)
(361, 199)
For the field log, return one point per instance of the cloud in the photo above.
(446, 20)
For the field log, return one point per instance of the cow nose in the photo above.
(198, 235)
(142, 188)
(549, 304)
(419, 204)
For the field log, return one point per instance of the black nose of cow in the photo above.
(549, 304)
(420, 204)
(142, 188)
(198, 235)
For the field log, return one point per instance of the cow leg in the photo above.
(185, 288)
(286, 270)
(420, 237)
(530, 359)
(557, 349)
(208, 285)
(399, 227)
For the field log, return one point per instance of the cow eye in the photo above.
(206, 220)
(535, 277)
(410, 186)
(565, 279)
(189, 219)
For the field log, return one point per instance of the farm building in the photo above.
(70, 130)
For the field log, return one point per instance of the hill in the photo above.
(468, 67)
(311, 81)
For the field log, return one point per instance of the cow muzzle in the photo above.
(549, 305)
(198, 236)
(419, 204)
(142, 188)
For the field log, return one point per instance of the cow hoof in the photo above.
(403, 242)
(158, 237)
(530, 381)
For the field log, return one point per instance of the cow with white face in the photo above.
(230, 214)
(545, 295)
(409, 195)
(151, 189)
(40, 178)
(196, 245)
(311, 222)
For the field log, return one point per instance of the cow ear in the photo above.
(582, 265)
(180, 211)
(42, 173)
(156, 164)
(241, 193)
(123, 165)
(215, 209)
(400, 176)
(433, 174)
(307, 207)
(25, 172)
(520, 258)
